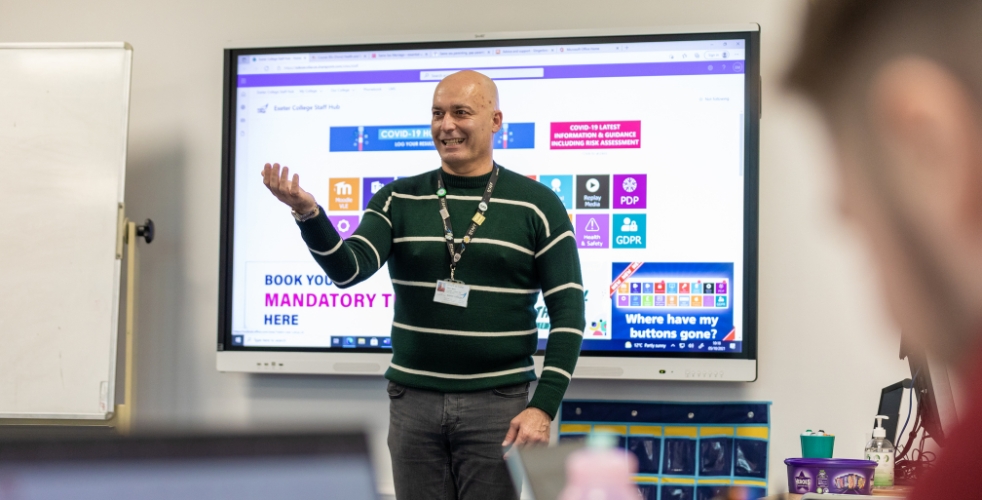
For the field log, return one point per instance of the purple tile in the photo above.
(370, 186)
(630, 191)
(344, 224)
(593, 230)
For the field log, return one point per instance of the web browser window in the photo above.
(642, 142)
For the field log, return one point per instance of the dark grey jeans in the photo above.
(448, 446)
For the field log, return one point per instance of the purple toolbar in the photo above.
(549, 72)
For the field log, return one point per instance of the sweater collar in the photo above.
(461, 182)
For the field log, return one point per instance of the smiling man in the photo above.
(469, 248)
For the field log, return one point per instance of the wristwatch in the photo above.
(307, 216)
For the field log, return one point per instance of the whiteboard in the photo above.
(63, 126)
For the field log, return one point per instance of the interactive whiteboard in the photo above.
(650, 141)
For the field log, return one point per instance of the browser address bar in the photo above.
(490, 73)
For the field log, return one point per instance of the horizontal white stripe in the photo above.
(567, 234)
(461, 377)
(495, 289)
(479, 288)
(387, 201)
(566, 330)
(463, 333)
(424, 284)
(563, 287)
(386, 219)
(474, 198)
(342, 283)
(370, 245)
(559, 371)
(408, 239)
(502, 243)
(484, 241)
(414, 197)
(328, 252)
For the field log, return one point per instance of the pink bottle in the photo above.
(600, 472)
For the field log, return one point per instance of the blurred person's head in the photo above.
(899, 83)
(465, 119)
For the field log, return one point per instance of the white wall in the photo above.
(826, 349)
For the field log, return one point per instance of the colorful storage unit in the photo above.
(685, 451)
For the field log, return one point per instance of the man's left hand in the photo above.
(530, 427)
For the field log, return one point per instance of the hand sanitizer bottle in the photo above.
(881, 451)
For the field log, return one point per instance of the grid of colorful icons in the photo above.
(674, 293)
(594, 203)
(689, 451)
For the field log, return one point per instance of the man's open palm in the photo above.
(286, 190)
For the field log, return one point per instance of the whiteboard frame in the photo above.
(110, 400)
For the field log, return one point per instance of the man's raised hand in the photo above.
(286, 190)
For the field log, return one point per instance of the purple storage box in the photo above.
(830, 475)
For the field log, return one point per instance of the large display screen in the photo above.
(649, 141)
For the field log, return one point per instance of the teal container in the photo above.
(817, 446)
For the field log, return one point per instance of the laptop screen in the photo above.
(230, 467)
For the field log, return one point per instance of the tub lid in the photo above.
(829, 462)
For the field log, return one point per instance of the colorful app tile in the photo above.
(721, 301)
(630, 230)
(592, 231)
(372, 185)
(647, 300)
(344, 194)
(648, 287)
(622, 300)
(697, 301)
(635, 287)
(630, 191)
(709, 288)
(659, 301)
(672, 300)
(562, 185)
(345, 225)
(708, 300)
(684, 288)
(684, 301)
(721, 286)
(697, 287)
(624, 288)
(636, 300)
(672, 287)
(593, 191)
(660, 286)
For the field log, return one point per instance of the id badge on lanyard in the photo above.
(452, 291)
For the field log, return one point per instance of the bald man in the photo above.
(469, 247)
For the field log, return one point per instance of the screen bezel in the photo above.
(752, 107)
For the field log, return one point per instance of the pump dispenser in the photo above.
(881, 451)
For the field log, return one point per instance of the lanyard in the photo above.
(477, 220)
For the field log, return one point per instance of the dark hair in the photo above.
(844, 41)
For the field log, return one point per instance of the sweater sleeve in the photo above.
(557, 262)
(349, 262)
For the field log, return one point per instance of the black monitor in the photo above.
(187, 467)
(890, 399)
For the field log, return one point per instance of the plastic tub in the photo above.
(830, 475)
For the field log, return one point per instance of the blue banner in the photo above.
(674, 307)
(419, 138)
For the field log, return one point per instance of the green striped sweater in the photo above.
(526, 245)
